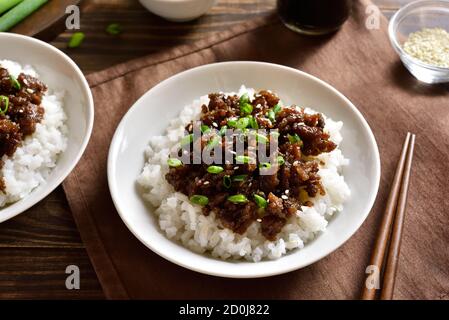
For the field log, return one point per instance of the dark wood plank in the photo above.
(36, 246)
(49, 224)
(39, 273)
(47, 22)
(145, 33)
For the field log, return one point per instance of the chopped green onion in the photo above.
(114, 29)
(244, 98)
(291, 138)
(15, 83)
(265, 165)
(173, 162)
(261, 138)
(213, 142)
(280, 160)
(238, 198)
(246, 108)
(187, 139)
(260, 201)
(223, 130)
(253, 123)
(204, 128)
(76, 39)
(277, 108)
(242, 123)
(239, 178)
(4, 101)
(294, 139)
(198, 199)
(243, 159)
(214, 169)
(232, 122)
(227, 181)
(271, 115)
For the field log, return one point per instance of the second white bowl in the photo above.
(178, 10)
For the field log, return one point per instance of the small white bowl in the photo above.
(178, 10)
(146, 119)
(58, 72)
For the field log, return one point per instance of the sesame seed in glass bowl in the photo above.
(419, 32)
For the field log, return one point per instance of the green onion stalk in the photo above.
(18, 13)
(5, 5)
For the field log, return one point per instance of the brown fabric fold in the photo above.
(363, 66)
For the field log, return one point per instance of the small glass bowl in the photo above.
(414, 17)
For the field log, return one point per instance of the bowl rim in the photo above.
(396, 19)
(50, 187)
(112, 183)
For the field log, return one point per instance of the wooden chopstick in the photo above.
(378, 254)
(395, 241)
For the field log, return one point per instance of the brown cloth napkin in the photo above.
(363, 66)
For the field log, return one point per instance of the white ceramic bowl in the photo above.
(178, 10)
(59, 72)
(146, 118)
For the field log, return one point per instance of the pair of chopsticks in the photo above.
(391, 228)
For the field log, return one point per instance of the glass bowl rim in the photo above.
(402, 13)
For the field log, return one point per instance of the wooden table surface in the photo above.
(38, 245)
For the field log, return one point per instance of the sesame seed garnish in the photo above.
(430, 45)
(284, 197)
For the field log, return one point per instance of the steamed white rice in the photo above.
(33, 161)
(184, 222)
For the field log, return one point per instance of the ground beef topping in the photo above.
(243, 191)
(20, 110)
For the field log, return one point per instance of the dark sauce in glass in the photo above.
(314, 17)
